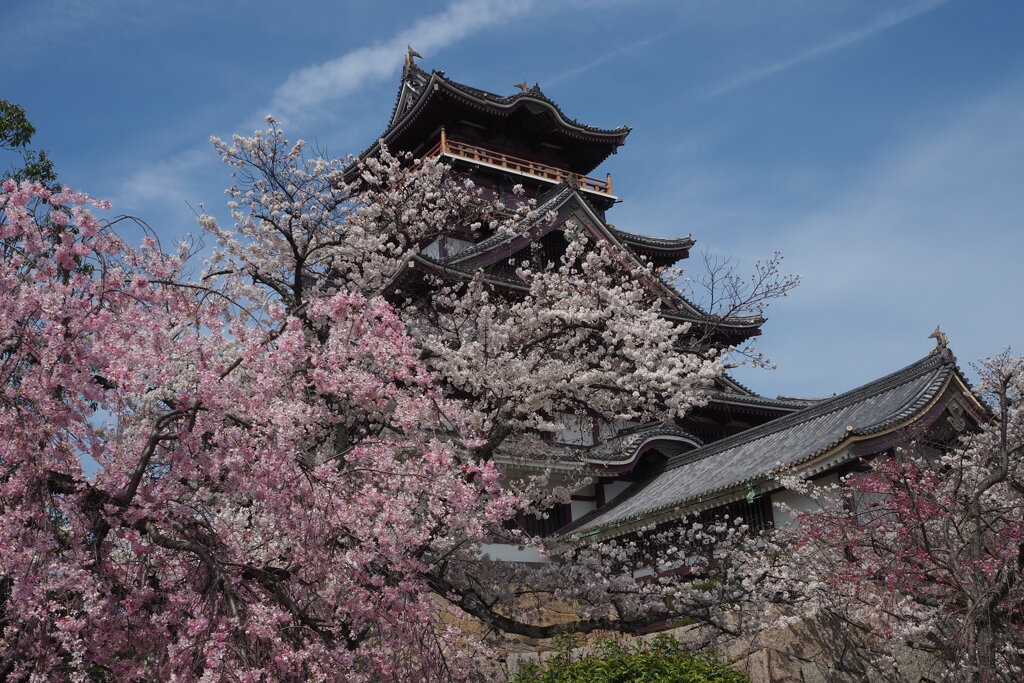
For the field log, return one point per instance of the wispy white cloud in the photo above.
(883, 22)
(315, 85)
(180, 176)
(930, 234)
(608, 56)
(156, 181)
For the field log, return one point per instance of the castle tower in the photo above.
(525, 139)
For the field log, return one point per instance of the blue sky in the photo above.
(876, 144)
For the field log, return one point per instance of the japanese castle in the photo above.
(723, 457)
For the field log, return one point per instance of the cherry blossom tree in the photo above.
(583, 337)
(925, 551)
(271, 483)
(292, 453)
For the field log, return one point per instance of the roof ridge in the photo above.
(410, 69)
(657, 429)
(902, 376)
(534, 92)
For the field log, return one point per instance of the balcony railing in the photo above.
(481, 155)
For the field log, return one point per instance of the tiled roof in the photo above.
(731, 322)
(753, 399)
(788, 441)
(555, 198)
(416, 82)
(733, 385)
(625, 447)
(419, 79)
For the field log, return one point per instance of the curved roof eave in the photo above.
(508, 103)
(733, 323)
(427, 84)
(668, 245)
(629, 446)
(432, 265)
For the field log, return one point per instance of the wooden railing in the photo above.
(464, 150)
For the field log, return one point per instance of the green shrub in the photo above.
(660, 660)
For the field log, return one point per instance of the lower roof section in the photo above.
(748, 459)
(567, 203)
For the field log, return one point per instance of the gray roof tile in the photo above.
(789, 440)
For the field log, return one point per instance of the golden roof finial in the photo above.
(941, 340)
(522, 86)
(410, 55)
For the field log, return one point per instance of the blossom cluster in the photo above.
(922, 550)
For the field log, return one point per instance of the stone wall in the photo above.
(811, 651)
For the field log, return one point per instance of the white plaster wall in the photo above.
(582, 507)
(613, 489)
(798, 502)
(588, 490)
(511, 553)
